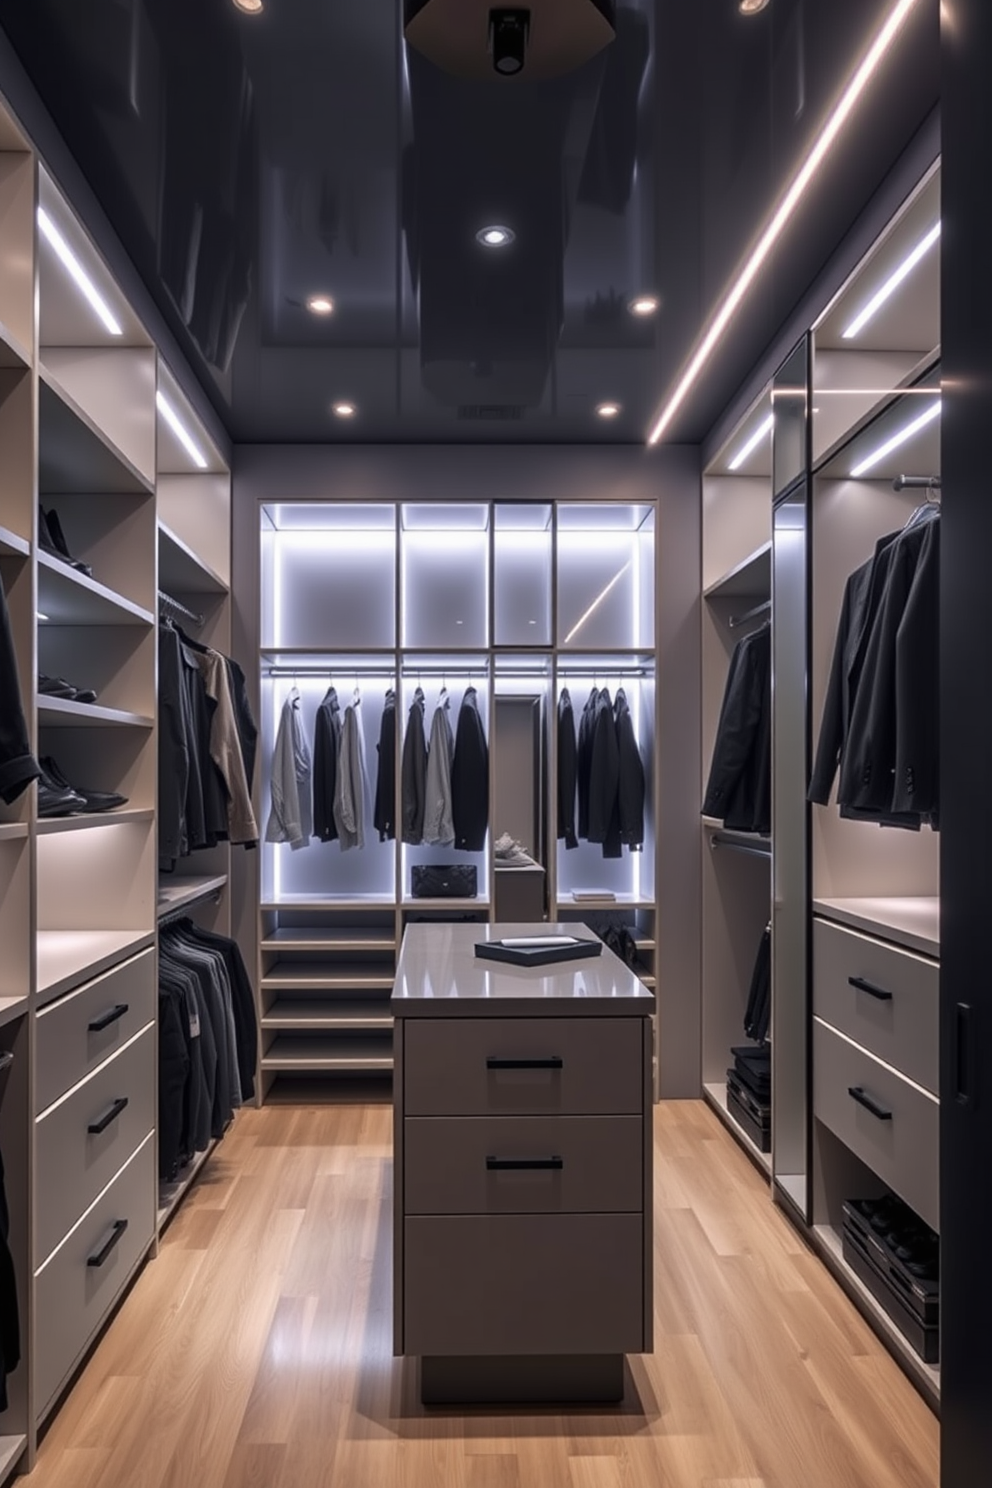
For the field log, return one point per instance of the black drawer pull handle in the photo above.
(879, 993)
(856, 1093)
(103, 1254)
(112, 1015)
(553, 1063)
(96, 1127)
(524, 1164)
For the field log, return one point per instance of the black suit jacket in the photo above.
(604, 780)
(739, 786)
(470, 777)
(567, 769)
(414, 773)
(630, 796)
(584, 760)
(384, 813)
(326, 748)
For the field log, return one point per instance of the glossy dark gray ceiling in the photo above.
(250, 161)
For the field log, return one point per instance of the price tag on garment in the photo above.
(194, 1021)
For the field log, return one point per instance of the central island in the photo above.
(523, 1160)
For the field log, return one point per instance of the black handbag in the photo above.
(444, 881)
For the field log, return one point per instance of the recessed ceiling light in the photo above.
(904, 434)
(495, 236)
(250, 7)
(344, 410)
(898, 16)
(892, 283)
(77, 273)
(643, 305)
(762, 431)
(607, 410)
(320, 304)
(752, 7)
(180, 430)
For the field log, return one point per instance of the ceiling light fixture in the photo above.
(495, 236)
(643, 305)
(897, 440)
(344, 410)
(320, 304)
(250, 7)
(731, 304)
(78, 274)
(762, 432)
(180, 430)
(752, 7)
(892, 283)
(607, 410)
(542, 39)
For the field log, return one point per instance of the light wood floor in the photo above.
(256, 1351)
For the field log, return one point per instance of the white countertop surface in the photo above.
(440, 976)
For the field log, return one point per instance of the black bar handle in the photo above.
(965, 1062)
(863, 1099)
(879, 993)
(553, 1063)
(112, 1015)
(103, 1254)
(96, 1127)
(524, 1164)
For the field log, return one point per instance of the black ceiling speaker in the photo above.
(475, 39)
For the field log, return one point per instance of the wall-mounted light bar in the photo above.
(762, 432)
(892, 284)
(180, 430)
(903, 436)
(78, 274)
(595, 604)
(787, 208)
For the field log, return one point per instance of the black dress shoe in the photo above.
(54, 800)
(51, 539)
(60, 688)
(92, 801)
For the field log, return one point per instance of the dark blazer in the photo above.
(10, 1336)
(18, 766)
(567, 769)
(414, 773)
(584, 760)
(757, 1015)
(470, 777)
(173, 748)
(242, 1002)
(384, 813)
(244, 720)
(604, 780)
(738, 791)
(631, 789)
(326, 746)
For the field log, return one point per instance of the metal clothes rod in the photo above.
(916, 482)
(751, 849)
(166, 602)
(606, 671)
(762, 609)
(329, 672)
(6, 1060)
(181, 913)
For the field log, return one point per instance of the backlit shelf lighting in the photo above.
(891, 284)
(78, 274)
(180, 430)
(903, 436)
(746, 451)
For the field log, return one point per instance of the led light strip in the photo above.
(892, 284)
(902, 437)
(78, 274)
(180, 430)
(855, 88)
(596, 604)
(762, 432)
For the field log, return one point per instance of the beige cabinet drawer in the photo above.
(893, 1126)
(523, 1164)
(884, 998)
(77, 1288)
(524, 1284)
(75, 1159)
(80, 1031)
(523, 1066)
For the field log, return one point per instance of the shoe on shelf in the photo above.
(57, 800)
(509, 853)
(92, 801)
(58, 687)
(51, 539)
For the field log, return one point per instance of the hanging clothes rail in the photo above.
(6, 1060)
(761, 609)
(916, 483)
(605, 671)
(181, 913)
(178, 609)
(327, 672)
(754, 850)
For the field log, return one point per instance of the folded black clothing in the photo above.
(760, 1086)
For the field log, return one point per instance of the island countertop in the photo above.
(439, 976)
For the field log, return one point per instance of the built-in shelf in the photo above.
(645, 979)
(332, 1017)
(916, 376)
(55, 712)
(68, 597)
(68, 957)
(171, 1195)
(126, 816)
(617, 901)
(181, 571)
(326, 976)
(716, 1096)
(458, 906)
(12, 831)
(14, 356)
(11, 544)
(830, 1244)
(343, 941)
(11, 1448)
(74, 453)
(179, 893)
(12, 1007)
(358, 1054)
(910, 922)
(749, 579)
(312, 902)
(644, 944)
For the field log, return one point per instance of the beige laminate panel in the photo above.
(69, 1046)
(73, 1293)
(524, 1284)
(884, 998)
(74, 1164)
(594, 1164)
(585, 1066)
(902, 1148)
